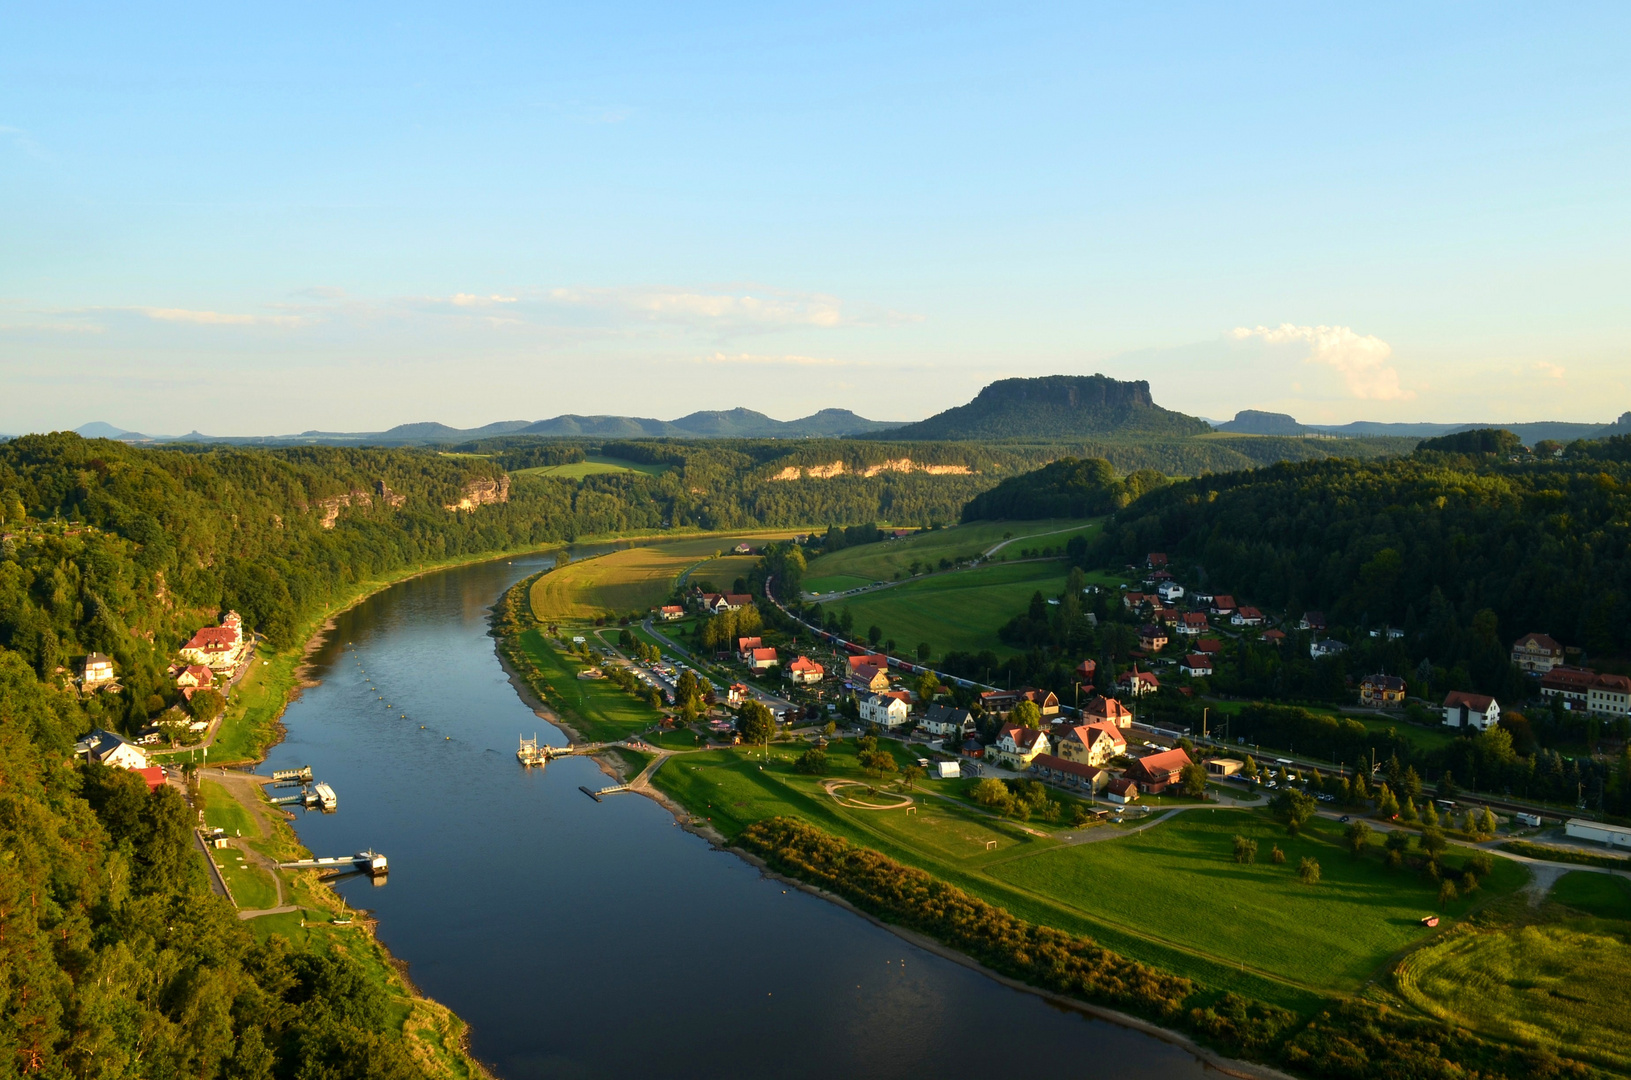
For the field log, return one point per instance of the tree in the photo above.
(1277, 857)
(1026, 714)
(1488, 825)
(1294, 808)
(1447, 894)
(206, 704)
(1429, 815)
(756, 723)
(1469, 823)
(1250, 770)
(924, 652)
(1245, 850)
(912, 774)
(688, 692)
(1387, 807)
(992, 792)
(1308, 871)
(874, 634)
(813, 762)
(1357, 836)
(1432, 841)
(927, 686)
(1194, 780)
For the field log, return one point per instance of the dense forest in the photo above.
(1070, 487)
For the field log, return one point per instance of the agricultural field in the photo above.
(635, 579)
(592, 466)
(1544, 979)
(1179, 882)
(866, 563)
(954, 612)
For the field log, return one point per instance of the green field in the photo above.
(596, 708)
(955, 612)
(1178, 881)
(222, 811)
(1558, 984)
(1607, 896)
(636, 579)
(866, 563)
(252, 887)
(594, 465)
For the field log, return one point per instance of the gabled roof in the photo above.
(1198, 660)
(1023, 737)
(1160, 765)
(873, 659)
(1383, 682)
(1062, 765)
(1107, 707)
(1195, 618)
(804, 663)
(1123, 786)
(947, 714)
(764, 654)
(1209, 645)
(743, 644)
(1538, 641)
(1250, 613)
(1223, 600)
(866, 673)
(1475, 702)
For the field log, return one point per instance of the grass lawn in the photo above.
(955, 612)
(222, 811)
(1557, 983)
(251, 886)
(1603, 895)
(596, 708)
(593, 466)
(1178, 881)
(867, 563)
(636, 579)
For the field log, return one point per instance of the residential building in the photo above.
(1610, 695)
(1069, 774)
(762, 659)
(1107, 710)
(746, 645)
(1328, 647)
(885, 710)
(1169, 591)
(947, 722)
(1312, 620)
(1121, 791)
(1155, 560)
(998, 701)
(1222, 766)
(1382, 691)
(111, 749)
(97, 670)
(219, 648)
(1086, 670)
(1247, 616)
(670, 612)
(877, 660)
(1132, 601)
(1223, 605)
(1159, 771)
(1090, 744)
(1470, 710)
(737, 694)
(735, 601)
(1536, 653)
(152, 776)
(743, 549)
(1152, 638)
(805, 672)
(1045, 700)
(1274, 637)
(1196, 666)
(1211, 646)
(195, 675)
(1138, 683)
(1017, 746)
(871, 678)
(1572, 684)
(1193, 623)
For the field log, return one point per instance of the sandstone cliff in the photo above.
(481, 492)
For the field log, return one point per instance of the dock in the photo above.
(369, 862)
(530, 752)
(301, 775)
(318, 797)
(596, 794)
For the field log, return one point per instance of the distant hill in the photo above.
(1253, 422)
(1056, 407)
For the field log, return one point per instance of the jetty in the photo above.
(301, 775)
(530, 752)
(369, 862)
(318, 797)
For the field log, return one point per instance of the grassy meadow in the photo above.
(595, 707)
(866, 563)
(594, 465)
(636, 579)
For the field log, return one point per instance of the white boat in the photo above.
(325, 797)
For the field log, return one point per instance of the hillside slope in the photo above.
(1056, 407)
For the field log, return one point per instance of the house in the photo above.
(1121, 791)
(746, 645)
(195, 675)
(1152, 638)
(1223, 605)
(1045, 700)
(218, 648)
(1169, 591)
(1475, 710)
(1312, 620)
(1192, 622)
(1086, 670)
(1223, 766)
(1166, 616)
(1070, 774)
(1159, 771)
(948, 722)
(1572, 684)
(1274, 637)
(1132, 601)
(96, 671)
(1211, 646)
(1329, 647)
(867, 677)
(737, 694)
(1090, 744)
(762, 659)
(1106, 710)
(1155, 560)
(1610, 695)
(1612, 835)
(152, 776)
(111, 749)
(708, 602)
(735, 601)
(1382, 691)
(670, 612)
(1247, 616)
(1138, 683)
(973, 748)
(1536, 653)
(1196, 666)
(878, 660)
(805, 672)
(885, 710)
(998, 701)
(743, 549)
(1017, 746)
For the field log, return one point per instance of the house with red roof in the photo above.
(1069, 774)
(1152, 638)
(805, 672)
(1193, 622)
(1247, 616)
(1196, 666)
(1159, 771)
(1045, 700)
(1106, 710)
(219, 648)
(670, 612)
(762, 659)
(868, 660)
(745, 645)
(1536, 653)
(1090, 744)
(867, 677)
(1017, 746)
(1382, 691)
(1138, 683)
(737, 694)
(1274, 637)
(1121, 791)
(1211, 646)
(1470, 710)
(152, 776)
(1223, 604)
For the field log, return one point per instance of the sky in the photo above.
(260, 219)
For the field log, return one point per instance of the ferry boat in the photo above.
(530, 753)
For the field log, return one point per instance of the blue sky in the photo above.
(256, 221)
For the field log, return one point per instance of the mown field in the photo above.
(866, 563)
(591, 466)
(636, 579)
(1550, 979)
(595, 707)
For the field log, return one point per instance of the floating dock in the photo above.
(301, 775)
(369, 862)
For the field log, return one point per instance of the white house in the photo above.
(1170, 591)
(1196, 665)
(1609, 695)
(111, 749)
(882, 709)
(1474, 710)
(1328, 647)
(98, 669)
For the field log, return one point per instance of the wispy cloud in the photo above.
(24, 142)
(1546, 367)
(765, 360)
(471, 300)
(218, 318)
(1362, 360)
(771, 308)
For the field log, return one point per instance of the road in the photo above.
(776, 704)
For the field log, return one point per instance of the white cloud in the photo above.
(218, 318)
(1361, 359)
(470, 300)
(1546, 367)
(772, 308)
(789, 360)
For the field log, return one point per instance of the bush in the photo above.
(1308, 871)
(1246, 850)
(1277, 857)
(812, 762)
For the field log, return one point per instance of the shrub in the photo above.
(1308, 871)
(1245, 850)
(1277, 857)
(812, 762)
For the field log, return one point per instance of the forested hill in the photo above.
(1424, 542)
(1070, 487)
(1055, 407)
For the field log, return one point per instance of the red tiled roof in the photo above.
(1059, 764)
(1539, 641)
(804, 663)
(152, 775)
(1475, 702)
(1209, 645)
(1107, 707)
(213, 637)
(764, 654)
(873, 659)
(1165, 765)
(1123, 786)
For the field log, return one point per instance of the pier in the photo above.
(369, 862)
(530, 753)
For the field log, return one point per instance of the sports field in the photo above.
(592, 466)
(955, 612)
(1179, 882)
(866, 563)
(636, 579)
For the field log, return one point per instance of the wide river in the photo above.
(585, 939)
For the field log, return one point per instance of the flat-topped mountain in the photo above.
(1056, 407)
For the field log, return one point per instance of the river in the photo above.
(585, 939)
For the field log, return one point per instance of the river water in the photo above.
(585, 939)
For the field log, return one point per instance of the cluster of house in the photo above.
(1580, 689)
(117, 752)
(1202, 611)
(712, 603)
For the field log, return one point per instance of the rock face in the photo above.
(899, 465)
(1055, 406)
(1257, 422)
(481, 492)
(330, 507)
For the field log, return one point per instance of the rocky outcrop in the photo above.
(898, 465)
(387, 496)
(482, 492)
(330, 507)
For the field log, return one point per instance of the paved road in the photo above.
(776, 704)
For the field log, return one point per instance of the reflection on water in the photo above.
(584, 939)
